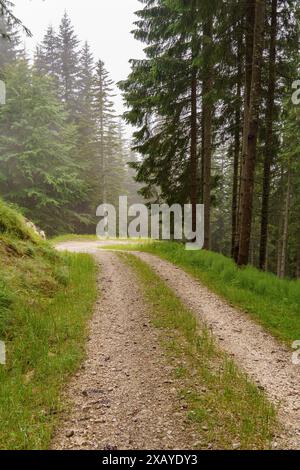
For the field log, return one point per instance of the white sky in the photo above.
(105, 24)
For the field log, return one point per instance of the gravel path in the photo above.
(123, 397)
(263, 358)
(131, 408)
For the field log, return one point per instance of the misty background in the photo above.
(106, 25)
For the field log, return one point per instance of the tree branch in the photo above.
(5, 10)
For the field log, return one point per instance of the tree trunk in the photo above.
(202, 164)
(102, 160)
(249, 28)
(269, 145)
(237, 146)
(283, 256)
(298, 263)
(250, 139)
(207, 113)
(194, 153)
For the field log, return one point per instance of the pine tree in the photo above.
(7, 17)
(269, 143)
(10, 41)
(115, 172)
(251, 117)
(86, 119)
(36, 171)
(87, 134)
(162, 95)
(132, 188)
(106, 122)
(68, 45)
(207, 116)
(47, 60)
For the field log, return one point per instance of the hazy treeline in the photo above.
(62, 147)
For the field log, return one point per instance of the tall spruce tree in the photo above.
(164, 93)
(269, 141)
(68, 51)
(87, 135)
(106, 122)
(86, 118)
(36, 146)
(161, 94)
(47, 58)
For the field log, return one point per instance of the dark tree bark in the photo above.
(194, 153)
(207, 113)
(269, 145)
(249, 37)
(237, 145)
(298, 263)
(202, 163)
(250, 137)
(285, 234)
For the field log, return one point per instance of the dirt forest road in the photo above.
(121, 397)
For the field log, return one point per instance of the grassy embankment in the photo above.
(272, 302)
(45, 302)
(226, 408)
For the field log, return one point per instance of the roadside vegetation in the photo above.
(227, 409)
(43, 314)
(94, 238)
(272, 302)
(73, 237)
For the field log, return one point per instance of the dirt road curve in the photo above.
(255, 351)
(139, 412)
(123, 397)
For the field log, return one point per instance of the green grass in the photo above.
(43, 325)
(225, 407)
(92, 238)
(272, 302)
(72, 237)
(43, 316)
(12, 224)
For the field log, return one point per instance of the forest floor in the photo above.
(124, 396)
